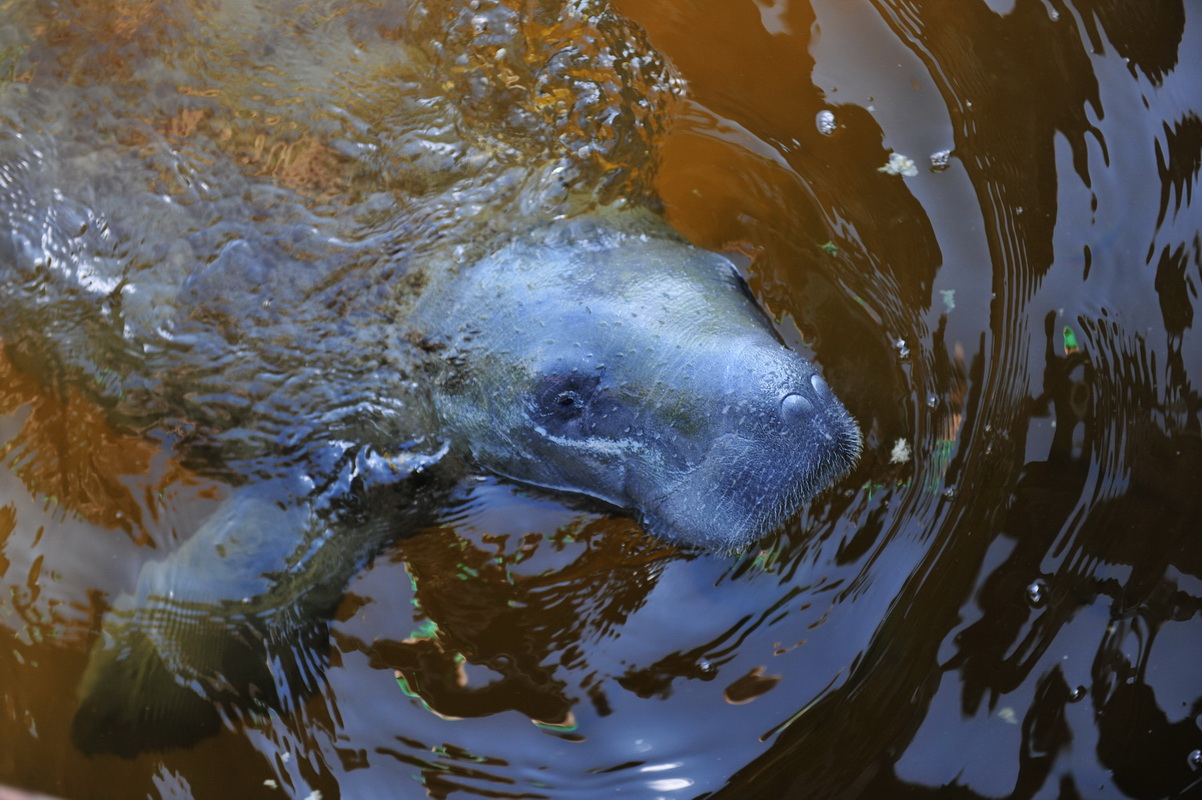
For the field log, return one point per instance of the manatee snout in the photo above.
(779, 437)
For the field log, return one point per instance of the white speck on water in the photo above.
(949, 298)
(899, 165)
(901, 452)
(940, 160)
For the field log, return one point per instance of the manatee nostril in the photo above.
(823, 391)
(794, 408)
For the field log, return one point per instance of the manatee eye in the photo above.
(562, 401)
(568, 400)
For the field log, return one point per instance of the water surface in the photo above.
(1003, 600)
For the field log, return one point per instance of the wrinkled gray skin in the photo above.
(606, 357)
(340, 364)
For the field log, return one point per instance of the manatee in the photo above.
(474, 280)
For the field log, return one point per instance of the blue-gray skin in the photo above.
(609, 358)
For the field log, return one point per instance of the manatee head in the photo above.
(619, 362)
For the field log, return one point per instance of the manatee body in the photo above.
(341, 366)
(601, 356)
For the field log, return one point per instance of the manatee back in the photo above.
(189, 315)
(212, 218)
(184, 281)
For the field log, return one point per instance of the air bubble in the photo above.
(1037, 593)
(902, 349)
(1077, 695)
(932, 400)
(1194, 759)
(825, 122)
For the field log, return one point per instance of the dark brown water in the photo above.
(1011, 608)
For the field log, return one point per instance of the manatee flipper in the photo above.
(235, 620)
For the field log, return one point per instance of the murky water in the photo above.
(1005, 598)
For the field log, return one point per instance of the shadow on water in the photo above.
(1003, 600)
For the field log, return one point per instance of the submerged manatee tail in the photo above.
(134, 696)
(235, 620)
(184, 641)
